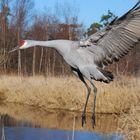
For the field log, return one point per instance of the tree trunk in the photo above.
(41, 58)
(46, 67)
(25, 63)
(54, 59)
(70, 33)
(19, 54)
(34, 59)
(49, 64)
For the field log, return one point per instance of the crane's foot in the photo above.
(83, 119)
(93, 120)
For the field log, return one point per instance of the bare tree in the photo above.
(20, 20)
(5, 12)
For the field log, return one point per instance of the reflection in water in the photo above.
(29, 123)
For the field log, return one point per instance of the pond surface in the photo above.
(19, 122)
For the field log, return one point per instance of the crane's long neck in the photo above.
(62, 46)
(50, 44)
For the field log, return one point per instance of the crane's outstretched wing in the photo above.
(115, 41)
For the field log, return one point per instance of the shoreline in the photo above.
(63, 119)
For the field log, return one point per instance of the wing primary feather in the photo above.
(124, 16)
(117, 39)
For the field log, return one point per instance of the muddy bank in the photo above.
(55, 119)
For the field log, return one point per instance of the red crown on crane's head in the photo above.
(21, 43)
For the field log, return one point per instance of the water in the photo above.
(25, 133)
(28, 123)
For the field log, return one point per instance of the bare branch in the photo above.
(3, 57)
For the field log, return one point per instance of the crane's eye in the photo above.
(21, 42)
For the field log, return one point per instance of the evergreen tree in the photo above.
(94, 28)
(105, 21)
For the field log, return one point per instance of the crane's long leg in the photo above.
(84, 111)
(94, 104)
(80, 75)
(89, 91)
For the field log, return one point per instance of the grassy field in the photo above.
(69, 93)
(130, 123)
(121, 96)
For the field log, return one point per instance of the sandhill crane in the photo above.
(88, 57)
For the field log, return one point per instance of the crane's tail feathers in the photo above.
(108, 75)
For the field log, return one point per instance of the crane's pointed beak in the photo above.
(14, 49)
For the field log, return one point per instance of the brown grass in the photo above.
(130, 123)
(69, 93)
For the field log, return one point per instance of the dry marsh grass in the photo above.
(130, 123)
(69, 93)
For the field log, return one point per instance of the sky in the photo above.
(89, 11)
